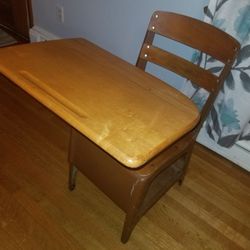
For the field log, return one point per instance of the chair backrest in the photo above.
(198, 35)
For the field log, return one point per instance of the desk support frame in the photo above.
(136, 190)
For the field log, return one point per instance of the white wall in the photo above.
(116, 25)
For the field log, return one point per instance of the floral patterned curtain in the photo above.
(229, 119)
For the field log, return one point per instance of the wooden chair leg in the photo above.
(72, 176)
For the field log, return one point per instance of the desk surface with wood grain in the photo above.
(128, 113)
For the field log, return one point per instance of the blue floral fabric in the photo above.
(229, 119)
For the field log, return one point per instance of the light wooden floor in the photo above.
(211, 210)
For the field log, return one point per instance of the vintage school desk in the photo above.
(123, 112)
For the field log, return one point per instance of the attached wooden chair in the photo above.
(136, 190)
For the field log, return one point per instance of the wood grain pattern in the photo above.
(210, 211)
(130, 114)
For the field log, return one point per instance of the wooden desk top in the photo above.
(127, 112)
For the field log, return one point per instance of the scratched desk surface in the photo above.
(127, 112)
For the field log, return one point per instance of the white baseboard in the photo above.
(38, 34)
(236, 154)
(244, 144)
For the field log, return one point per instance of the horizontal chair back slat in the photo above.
(218, 45)
(180, 66)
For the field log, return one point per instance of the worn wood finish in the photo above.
(209, 211)
(130, 114)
